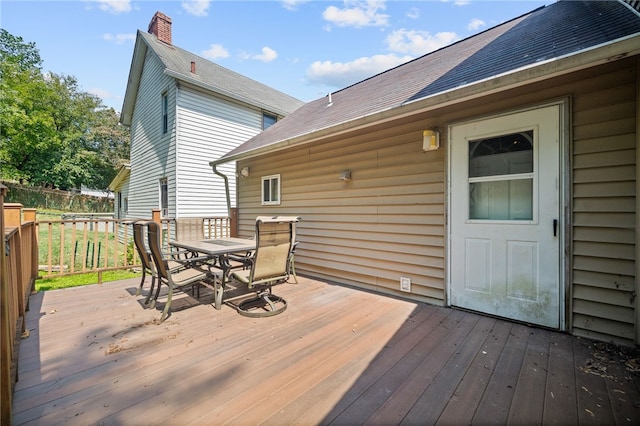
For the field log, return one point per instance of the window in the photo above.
(126, 205)
(165, 113)
(268, 120)
(271, 190)
(501, 172)
(164, 198)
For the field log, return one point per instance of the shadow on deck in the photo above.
(337, 355)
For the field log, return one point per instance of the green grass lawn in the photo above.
(45, 284)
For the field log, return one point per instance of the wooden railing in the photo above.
(80, 246)
(18, 271)
(58, 248)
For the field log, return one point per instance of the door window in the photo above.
(501, 173)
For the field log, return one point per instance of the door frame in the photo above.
(564, 201)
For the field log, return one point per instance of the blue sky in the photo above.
(305, 48)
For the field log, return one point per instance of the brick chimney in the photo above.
(160, 26)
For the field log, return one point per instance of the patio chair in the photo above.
(139, 229)
(291, 267)
(269, 266)
(193, 274)
(189, 228)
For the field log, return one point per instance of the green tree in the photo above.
(51, 132)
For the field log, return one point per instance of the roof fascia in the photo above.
(121, 176)
(133, 82)
(597, 55)
(197, 83)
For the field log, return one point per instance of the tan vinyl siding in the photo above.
(387, 222)
(604, 172)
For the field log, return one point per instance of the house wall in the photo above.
(208, 127)
(152, 153)
(389, 220)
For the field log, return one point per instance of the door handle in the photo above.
(555, 227)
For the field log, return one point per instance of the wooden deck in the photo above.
(336, 356)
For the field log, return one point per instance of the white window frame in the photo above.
(265, 116)
(163, 190)
(165, 113)
(273, 197)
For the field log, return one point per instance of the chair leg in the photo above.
(144, 276)
(167, 307)
(155, 298)
(292, 268)
(153, 285)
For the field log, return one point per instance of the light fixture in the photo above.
(345, 175)
(245, 172)
(430, 140)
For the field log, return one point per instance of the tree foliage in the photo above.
(51, 132)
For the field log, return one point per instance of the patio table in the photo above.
(218, 249)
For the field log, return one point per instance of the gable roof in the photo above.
(528, 47)
(123, 174)
(209, 76)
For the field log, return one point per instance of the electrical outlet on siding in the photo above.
(405, 284)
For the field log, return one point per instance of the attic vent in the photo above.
(193, 67)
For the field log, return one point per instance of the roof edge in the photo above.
(596, 55)
(196, 83)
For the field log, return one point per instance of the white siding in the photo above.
(208, 127)
(152, 153)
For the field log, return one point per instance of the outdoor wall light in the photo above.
(430, 140)
(345, 175)
(245, 172)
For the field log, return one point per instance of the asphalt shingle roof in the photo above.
(220, 79)
(549, 32)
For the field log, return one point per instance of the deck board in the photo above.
(337, 355)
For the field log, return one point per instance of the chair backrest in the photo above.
(153, 239)
(138, 240)
(189, 228)
(274, 237)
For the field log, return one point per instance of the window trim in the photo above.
(164, 197)
(270, 115)
(271, 201)
(165, 112)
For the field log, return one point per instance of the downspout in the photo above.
(226, 187)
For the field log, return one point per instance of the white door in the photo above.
(504, 216)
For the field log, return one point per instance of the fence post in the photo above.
(12, 214)
(6, 381)
(155, 216)
(13, 217)
(233, 218)
(29, 215)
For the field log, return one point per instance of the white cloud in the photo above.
(267, 55)
(341, 74)
(119, 38)
(418, 42)
(215, 51)
(476, 24)
(413, 13)
(357, 14)
(196, 7)
(115, 6)
(457, 2)
(293, 4)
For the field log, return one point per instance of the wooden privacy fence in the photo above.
(54, 248)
